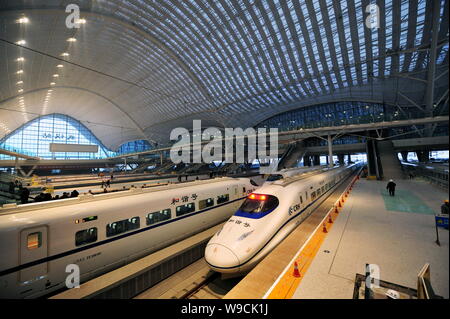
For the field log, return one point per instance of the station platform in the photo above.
(396, 233)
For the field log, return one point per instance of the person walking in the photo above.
(391, 187)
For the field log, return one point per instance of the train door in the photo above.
(33, 246)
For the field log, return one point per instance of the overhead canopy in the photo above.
(137, 69)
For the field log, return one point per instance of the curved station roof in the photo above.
(132, 70)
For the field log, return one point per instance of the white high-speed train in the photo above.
(266, 217)
(293, 171)
(102, 232)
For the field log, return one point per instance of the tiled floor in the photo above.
(396, 233)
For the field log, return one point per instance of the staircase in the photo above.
(390, 164)
(291, 156)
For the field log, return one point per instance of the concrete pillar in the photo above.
(330, 152)
(306, 160)
(349, 158)
(341, 159)
(316, 160)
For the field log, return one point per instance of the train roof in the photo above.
(84, 198)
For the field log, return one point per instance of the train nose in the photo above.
(220, 257)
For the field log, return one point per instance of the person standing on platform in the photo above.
(445, 208)
(391, 187)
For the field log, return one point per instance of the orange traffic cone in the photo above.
(336, 210)
(324, 228)
(296, 272)
(330, 220)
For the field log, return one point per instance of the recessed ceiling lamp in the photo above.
(81, 21)
(65, 54)
(23, 20)
(19, 72)
(19, 82)
(71, 40)
(20, 90)
(55, 75)
(21, 59)
(52, 83)
(60, 66)
(21, 42)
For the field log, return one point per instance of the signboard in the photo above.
(82, 148)
(442, 221)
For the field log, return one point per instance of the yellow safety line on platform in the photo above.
(288, 283)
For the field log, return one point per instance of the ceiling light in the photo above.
(81, 21)
(19, 72)
(55, 75)
(65, 54)
(19, 82)
(20, 90)
(50, 90)
(21, 42)
(59, 66)
(71, 40)
(20, 59)
(23, 20)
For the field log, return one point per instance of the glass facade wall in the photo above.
(34, 138)
(134, 146)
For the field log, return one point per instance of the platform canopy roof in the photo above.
(137, 69)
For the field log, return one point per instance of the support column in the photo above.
(432, 64)
(306, 160)
(404, 156)
(316, 160)
(341, 159)
(330, 151)
(423, 156)
(349, 158)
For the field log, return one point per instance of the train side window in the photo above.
(306, 195)
(318, 192)
(301, 199)
(185, 209)
(323, 189)
(223, 198)
(34, 240)
(122, 226)
(86, 236)
(243, 190)
(205, 203)
(158, 216)
(313, 196)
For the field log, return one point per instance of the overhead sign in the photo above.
(81, 148)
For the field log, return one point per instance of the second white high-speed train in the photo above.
(99, 233)
(293, 171)
(266, 217)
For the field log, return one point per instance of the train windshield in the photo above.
(274, 177)
(257, 205)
